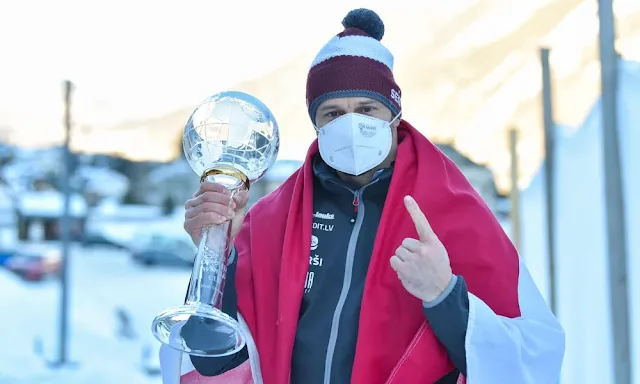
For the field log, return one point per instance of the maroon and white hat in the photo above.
(354, 63)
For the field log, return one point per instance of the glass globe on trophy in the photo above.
(231, 138)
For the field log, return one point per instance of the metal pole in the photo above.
(515, 192)
(549, 173)
(65, 232)
(614, 197)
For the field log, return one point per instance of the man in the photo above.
(409, 279)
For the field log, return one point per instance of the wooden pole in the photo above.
(515, 192)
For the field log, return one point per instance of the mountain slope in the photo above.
(468, 73)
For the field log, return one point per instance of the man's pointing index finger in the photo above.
(419, 219)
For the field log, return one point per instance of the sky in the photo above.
(135, 59)
(138, 58)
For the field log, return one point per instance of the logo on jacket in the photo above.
(326, 216)
(314, 242)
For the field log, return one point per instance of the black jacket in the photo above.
(344, 229)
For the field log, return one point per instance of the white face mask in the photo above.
(355, 143)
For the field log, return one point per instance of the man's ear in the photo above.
(315, 128)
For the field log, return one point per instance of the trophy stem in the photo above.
(210, 266)
(199, 327)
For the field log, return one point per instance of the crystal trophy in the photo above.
(231, 138)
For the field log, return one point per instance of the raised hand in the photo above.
(422, 264)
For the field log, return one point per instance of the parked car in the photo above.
(118, 226)
(164, 249)
(32, 266)
(99, 240)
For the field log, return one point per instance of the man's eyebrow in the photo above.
(365, 103)
(329, 107)
(333, 107)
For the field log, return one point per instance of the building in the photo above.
(174, 183)
(480, 176)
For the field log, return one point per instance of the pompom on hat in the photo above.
(354, 63)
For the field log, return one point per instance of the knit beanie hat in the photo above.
(354, 63)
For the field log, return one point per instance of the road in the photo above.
(101, 281)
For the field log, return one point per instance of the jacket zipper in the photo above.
(356, 205)
(356, 201)
(346, 285)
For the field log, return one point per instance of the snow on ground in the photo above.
(101, 281)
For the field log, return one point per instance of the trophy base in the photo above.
(199, 331)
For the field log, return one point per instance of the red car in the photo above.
(35, 267)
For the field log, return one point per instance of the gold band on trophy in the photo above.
(228, 171)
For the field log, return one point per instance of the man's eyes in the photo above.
(362, 110)
(332, 114)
